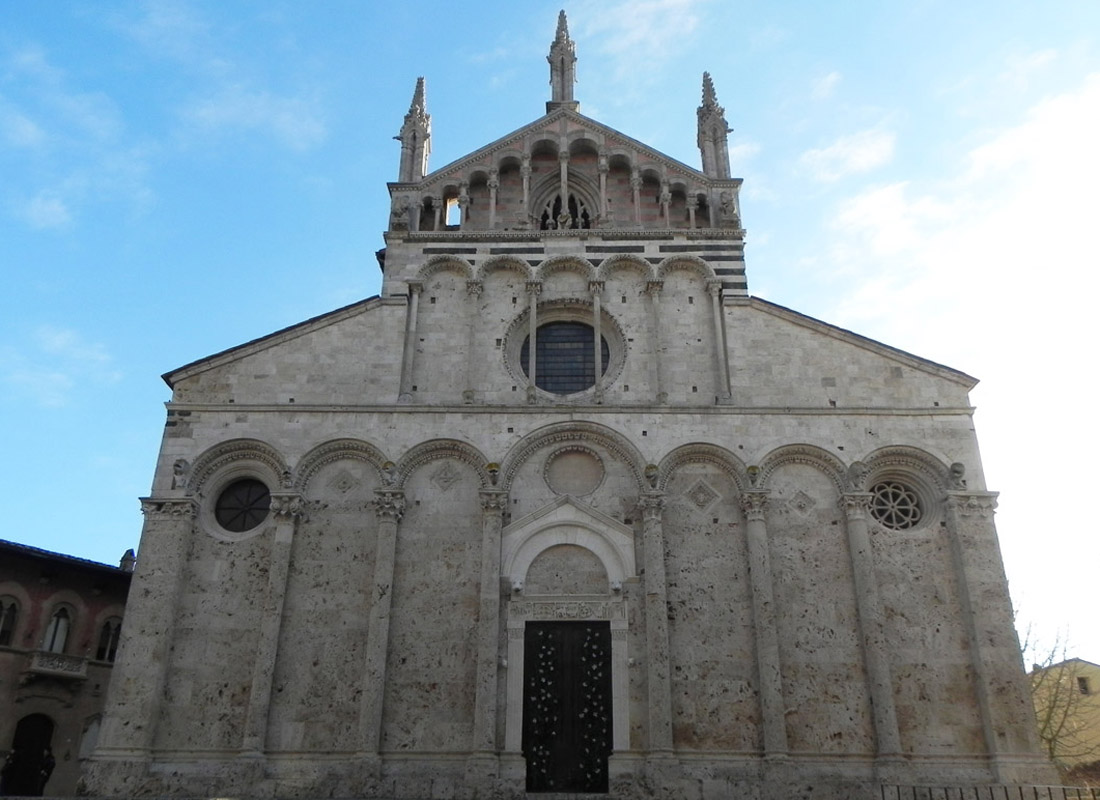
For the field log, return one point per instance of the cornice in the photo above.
(599, 234)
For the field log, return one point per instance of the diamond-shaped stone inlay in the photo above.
(445, 477)
(801, 503)
(343, 482)
(701, 494)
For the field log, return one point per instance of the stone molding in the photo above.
(169, 508)
(565, 609)
(443, 263)
(389, 505)
(680, 260)
(336, 450)
(809, 454)
(972, 504)
(435, 449)
(754, 504)
(238, 452)
(702, 453)
(571, 432)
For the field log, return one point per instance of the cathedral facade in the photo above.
(564, 509)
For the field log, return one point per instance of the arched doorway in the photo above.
(23, 771)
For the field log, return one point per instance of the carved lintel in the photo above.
(288, 506)
(566, 609)
(972, 504)
(174, 508)
(389, 505)
(754, 504)
(652, 503)
(493, 501)
(855, 505)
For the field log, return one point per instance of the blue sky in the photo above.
(180, 177)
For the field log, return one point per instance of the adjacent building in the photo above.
(60, 619)
(565, 509)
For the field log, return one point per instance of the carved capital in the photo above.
(416, 287)
(563, 156)
(652, 504)
(654, 288)
(288, 506)
(693, 201)
(534, 288)
(389, 505)
(493, 501)
(972, 504)
(169, 509)
(714, 287)
(473, 288)
(595, 287)
(754, 504)
(855, 505)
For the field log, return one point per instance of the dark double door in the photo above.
(567, 706)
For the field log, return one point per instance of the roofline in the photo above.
(49, 555)
(297, 329)
(941, 370)
(545, 118)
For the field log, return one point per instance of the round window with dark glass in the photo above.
(565, 357)
(243, 505)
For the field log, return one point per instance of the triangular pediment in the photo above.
(567, 521)
(565, 125)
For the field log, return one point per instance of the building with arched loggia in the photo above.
(564, 509)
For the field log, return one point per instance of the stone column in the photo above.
(463, 204)
(692, 207)
(772, 706)
(437, 213)
(596, 289)
(494, 184)
(656, 623)
(493, 504)
(714, 288)
(408, 356)
(636, 188)
(525, 172)
(137, 691)
(534, 288)
(987, 614)
(389, 505)
(653, 289)
(563, 174)
(603, 168)
(856, 506)
(287, 509)
(473, 296)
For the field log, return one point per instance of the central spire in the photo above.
(563, 68)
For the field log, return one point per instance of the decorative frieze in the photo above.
(168, 509)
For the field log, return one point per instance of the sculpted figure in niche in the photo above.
(958, 476)
(399, 214)
(857, 476)
(726, 201)
(180, 469)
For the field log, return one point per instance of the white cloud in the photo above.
(54, 364)
(849, 155)
(656, 29)
(823, 87)
(19, 130)
(47, 210)
(994, 271)
(288, 119)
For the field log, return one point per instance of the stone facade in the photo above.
(564, 493)
(60, 619)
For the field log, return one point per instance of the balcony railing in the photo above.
(58, 665)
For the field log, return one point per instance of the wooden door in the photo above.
(567, 705)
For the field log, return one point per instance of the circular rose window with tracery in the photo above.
(894, 505)
(243, 505)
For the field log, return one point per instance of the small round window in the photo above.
(565, 357)
(894, 505)
(243, 505)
